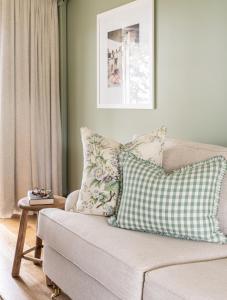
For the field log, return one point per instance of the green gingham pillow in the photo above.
(181, 204)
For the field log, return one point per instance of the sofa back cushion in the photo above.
(179, 153)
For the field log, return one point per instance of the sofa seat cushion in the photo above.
(117, 258)
(196, 281)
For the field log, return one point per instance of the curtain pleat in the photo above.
(30, 124)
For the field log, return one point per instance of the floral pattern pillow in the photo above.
(101, 175)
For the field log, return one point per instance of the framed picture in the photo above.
(125, 42)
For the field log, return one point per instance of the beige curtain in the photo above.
(30, 125)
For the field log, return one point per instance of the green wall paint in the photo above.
(191, 76)
(62, 15)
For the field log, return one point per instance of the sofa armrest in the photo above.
(71, 201)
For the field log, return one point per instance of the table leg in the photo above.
(20, 243)
(48, 281)
(38, 248)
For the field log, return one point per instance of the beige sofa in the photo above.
(88, 259)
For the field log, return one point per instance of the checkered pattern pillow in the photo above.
(181, 204)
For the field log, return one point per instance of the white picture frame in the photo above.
(125, 56)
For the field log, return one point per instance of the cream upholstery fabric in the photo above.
(198, 281)
(71, 201)
(178, 153)
(100, 261)
(77, 284)
(95, 247)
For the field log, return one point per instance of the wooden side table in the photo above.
(59, 202)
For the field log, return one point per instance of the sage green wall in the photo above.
(191, 75)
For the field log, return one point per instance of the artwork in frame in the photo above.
(125, 55)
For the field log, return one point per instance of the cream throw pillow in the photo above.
(100, 183)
